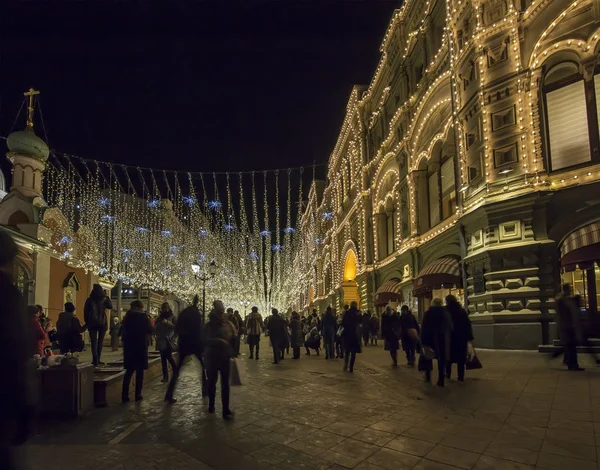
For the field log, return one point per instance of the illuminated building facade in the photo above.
(469, 165)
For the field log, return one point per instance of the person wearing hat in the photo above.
(255, 327)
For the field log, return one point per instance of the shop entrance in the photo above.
(350, 286)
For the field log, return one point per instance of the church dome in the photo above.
(27, 143)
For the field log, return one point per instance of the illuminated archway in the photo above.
(350, 286)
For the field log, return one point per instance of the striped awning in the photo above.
(443, 272)
(581, 248)
(389, 291)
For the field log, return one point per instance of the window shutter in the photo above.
(568, 126)
(447, 176)
(434, 200)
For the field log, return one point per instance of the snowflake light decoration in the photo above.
(265, 233)
(166, 233)
(327, 215)
(153, 203)
(65, 240)
(104, 202)
(289, 230)
(254, 256)
(277, 248)
(203, 233)
(141, 229)
(108, 219)
(215, 205)
(189, 200)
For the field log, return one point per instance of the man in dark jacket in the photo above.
(17, 397)
(409, 334)
(390, 330)
(189, 331)
(277, 334)
(136, 332)
(461, 334)
(329, 329)
(351, 322)
(435, 335)
(569, 324)
(94, 315)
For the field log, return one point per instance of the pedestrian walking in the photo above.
(136, 331)
(462, 333)
(241, 332)
(339, 342)
(254, 328)
(409, 334)
(218, 353)
(366, 327)
(435, 335)
(329, 329)
(69, 330)
(297, 336)
(374, 322)
(350, 335)
(164, 328)
(390, 329)
(189, 331)
(569, 325)
(277, 334)
(18, 403)
(94, 316)
(115, 328)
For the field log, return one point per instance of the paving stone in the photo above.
(393, 427)
(487, 462)
(509, 452)
(393, 460)
(355, 449)
(473, 443)
(569, 449)
(344, 429)
(558, 462)
(455, 457)
(372, 436)
(411, 446)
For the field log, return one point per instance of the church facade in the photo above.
(470, 166)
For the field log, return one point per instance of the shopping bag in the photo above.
(473, 362)
(424, 364)
(238, 373)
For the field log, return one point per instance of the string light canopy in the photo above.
(160, 230)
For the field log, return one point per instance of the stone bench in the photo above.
(108, 381)
(66, 391)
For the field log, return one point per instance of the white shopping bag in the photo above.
(238, 372)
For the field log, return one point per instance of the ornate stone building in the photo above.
(469, 165)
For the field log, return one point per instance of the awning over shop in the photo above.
(389, 291)
(581, 248)
(442, 273)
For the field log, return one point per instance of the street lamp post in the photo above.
(205, 276)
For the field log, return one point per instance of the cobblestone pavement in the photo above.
(519, 412)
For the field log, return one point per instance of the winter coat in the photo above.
(39, 336)
(217, 338)
(277, 329)
(313, 321)
(390, 330)
(94, 310)
(366, 323)
(461, 334)
(240, 322)
(351, 323)
(297, 336)
(568, 316)
(69, 332)
(189, 330)
(164, 329)
(408, 322)
(374, 322)
(136, 328)
(17, 394)
(329, 324)
(254, 324)
(436, 330)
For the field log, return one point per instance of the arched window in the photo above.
(569, 113)
(22, 279)
(387, 229)
(448, 188)
(433, 193)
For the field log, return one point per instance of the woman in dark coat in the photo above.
(351, 335)
(297, 336)
(164, 328)
(435, 334)
(136, 331)
(462, 333)
(390, 330)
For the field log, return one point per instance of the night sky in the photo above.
(197, 85)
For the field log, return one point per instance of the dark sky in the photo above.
(196, 85)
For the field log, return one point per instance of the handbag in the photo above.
(238, 373)
(473, 362)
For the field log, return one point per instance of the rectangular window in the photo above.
(404, 210)
(434, 200)
(391, 242)
(448, 189)
(568, 126)
(503, 118)
(505, 155)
